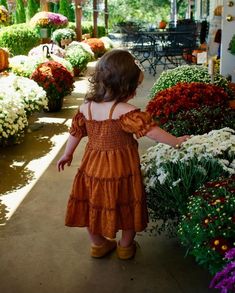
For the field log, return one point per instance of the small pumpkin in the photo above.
(162, 24)
(4, 62)
(218, 10)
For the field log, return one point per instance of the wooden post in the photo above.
(44, 5)
(106, 16)
(95, 19)
(78, 17)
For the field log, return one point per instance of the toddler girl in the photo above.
(108, 193)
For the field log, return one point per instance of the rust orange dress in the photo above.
(108, 193)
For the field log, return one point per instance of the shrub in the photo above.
(20, 16)
(172, 175)
(187, 73)
(232, 45)
(32, 8)
(207, 229)
(19, 39)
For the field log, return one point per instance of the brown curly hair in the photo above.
(116, 77)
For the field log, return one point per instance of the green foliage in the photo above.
(71, 25)
(19, 39)
(64, 8)
(78, 57)
(64, 33)
(151, 11)
(4, 3)
(32, 8)
(20, 16)
(201, 120)
(186, 73)
(101, 31)
(207, 229)
(172, 175)
(71, 9)
(232, 45)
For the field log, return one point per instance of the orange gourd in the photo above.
(218, 10)
(4, 63)
(162, 24)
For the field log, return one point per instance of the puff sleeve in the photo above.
(78, 126)
(137, 122)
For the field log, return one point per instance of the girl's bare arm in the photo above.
(160, 135)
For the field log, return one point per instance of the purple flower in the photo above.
(230, 254)
(225, 279)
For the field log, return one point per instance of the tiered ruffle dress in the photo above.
(108, 192)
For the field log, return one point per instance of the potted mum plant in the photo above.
(187, 73)
(172, 175)
(46, 22)
(97, 46)
(207, 229)
(192, 108)
(56, 80)
(78, 57)
(63, 37)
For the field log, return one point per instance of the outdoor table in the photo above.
(162, 47)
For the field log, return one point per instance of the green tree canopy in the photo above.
(20, 16)
(4, 3)
(32, 8)
(149, 11)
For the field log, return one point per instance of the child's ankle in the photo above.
(124, 243)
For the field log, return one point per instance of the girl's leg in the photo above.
(96, 239)
(100, 245)
(127, 246)
(127, 238)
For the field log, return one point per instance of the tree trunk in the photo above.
(44, 5)
(78, 18)
(106, 16)
(95, 19)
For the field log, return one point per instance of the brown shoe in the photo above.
(104, 249)
(126, 252)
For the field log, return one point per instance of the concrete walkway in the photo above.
(38, 254)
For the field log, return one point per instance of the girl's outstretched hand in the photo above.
(182, 139)
(64, 160)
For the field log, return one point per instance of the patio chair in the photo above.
(143, 48)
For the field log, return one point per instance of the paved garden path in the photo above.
(38, 254)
